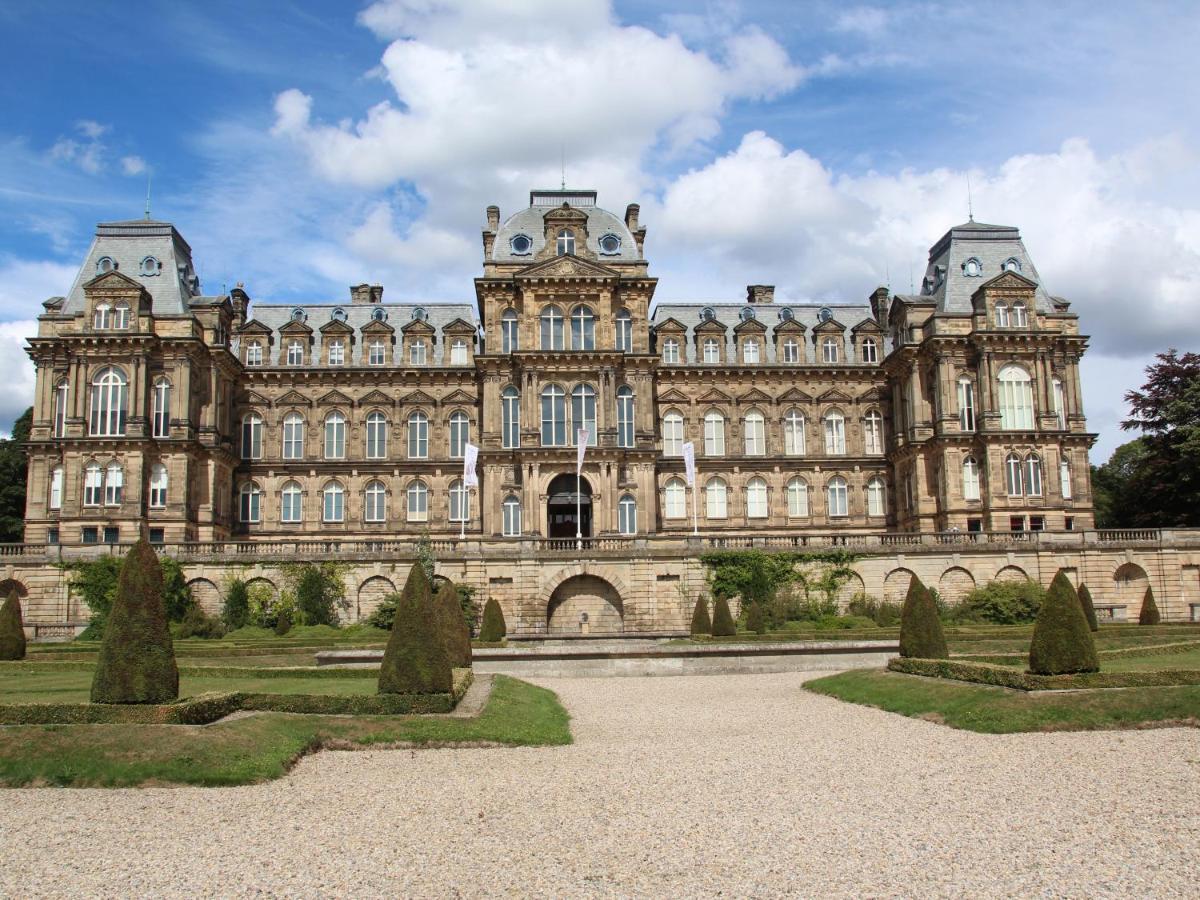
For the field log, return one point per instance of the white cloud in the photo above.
(24, 284)
(868, 21)
(92, 129)
(133, 165)
(16, 371)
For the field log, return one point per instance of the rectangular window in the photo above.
(1064, 477)
(966, 405)
(974, 526)
(717, 502)
(829, 350)
(418, 505)
(157, 535)
(416, 354)
(512, 518)
(112, 534)
(1060, 404)
(335, 506)
(90, 534)
(60, 410)
(870, 351)
(835, 436)
(337, 353)
(52, 536)
(671, 352)
(458, 353)
(56, 488)
(750, 352)
(295, 353)
(1069, 523)
(1037, 523)
(290, 510)
(1016, 523)
(254, 354)
(375, 353)
(114, 480)
(712, 351)
(791, 352)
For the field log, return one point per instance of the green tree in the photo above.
(494, 628)
(96, 580)
(1114, 489)
(314, 598)
(12, 630)
(754, 618)
(722, 624)
(415, 660)
(283, 621)
(1149, 614)
(236, 612)
(1089, 609)
(921, 634)
(1062, 642)
(14, 465)
(701, 623)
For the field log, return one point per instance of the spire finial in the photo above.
(562, 159)
(970, 204)
(148, 176)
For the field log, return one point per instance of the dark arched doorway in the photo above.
(585, 604)
(563, 504)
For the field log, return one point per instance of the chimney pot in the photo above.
(376, 293)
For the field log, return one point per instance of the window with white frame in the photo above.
(1064, 479)
(509, 341)
(583, 329)
(671, 351)
(56, 487)
(252, 426)
(675, 499)
(870, 350)
(510, 407)
(756, 498)
(158, 486)
(376, 353)
(160, 413)
(672, 429)
(1033, 475)
(250, 503)
(375, 502)
(337, 353)
(876, 497)
(624, 331)
(627, 515)
(873, 433)
(565, 242)
(1012, 475)
(291, 503)
(109, 392)
(335, 436)
(970, 478)
(511, 509)
(966, 404)
(583, 413)
(756, 434)
(791, 351)
(377, 435)
(793, 433)
(830, 352)
(93, 485)
(61, 396)
(418, 436)
(460, 434)
(625, 416)
(716, 499)
(712, 351)
(552, 328)
(835, 433)
(797, 498)
(114, 484)
(120, 318)
(254, 354)
(458, 352)
(554, 416)
(838, 497)
(1060, 403)
(295, 353)
(460, 501)
(1001, 315)
(1020, 318)
(1016, 398)
(102, 316)
(293, 436)
(417, 355)
(418, 502)
(714, 433)
(334, 503)
(750, 352)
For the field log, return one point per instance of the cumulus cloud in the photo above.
(24, 284)
(16, 371)
(133, 165)
(90, 151)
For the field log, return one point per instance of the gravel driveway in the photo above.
(742, 785)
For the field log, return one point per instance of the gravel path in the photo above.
(743, 785)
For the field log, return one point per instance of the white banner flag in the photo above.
(689, 462)
(581, 439)
(470, 454)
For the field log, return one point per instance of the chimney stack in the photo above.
(360, 293)
(760, 293)
(879, 304)
(631, 216)
(493, 218)
(377, 293)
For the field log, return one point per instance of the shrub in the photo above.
(701, 623)
(1062, 643)
(723, 624)
(236, 612)
(1000, 603)
(136, 663)
(384, 615)
(283, 622)
(1089, 611)
(456, 636)
(882, 612)
(921, 633)
(416, 661)
(95, 582)
(12, 631)
(754, 619)
(1149, 614)
(177, 596)
(493, 629)
(197, 623)
(318, 590)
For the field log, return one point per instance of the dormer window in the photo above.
(105, 265)
(610, 245)
(338, 315)
(297, 315)
(520, 245)
(295, 353)
(419, 314)
(825, 314)
(786, 315)
(151, 266)
(972, 268)
(566, 242)
(120, 315)
(708, 314)
(746, 314)
(379, 315)
(1012, 264)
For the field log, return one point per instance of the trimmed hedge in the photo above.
(416, 659)
(921, 632)
(363, 704)
(493, 628)
(722, 622)
(1149, 614)
(12, 631)
(1062, 642)
(754, 619)
(701, 623)
(456, 633)
(1005, 676)
(1089, 610)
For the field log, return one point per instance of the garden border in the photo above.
(1006, 676)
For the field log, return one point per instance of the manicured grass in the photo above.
(1188, 660)
(259, 747)
(1000, 711)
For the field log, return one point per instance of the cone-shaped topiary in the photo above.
(415, 661)
(1149, 614)
(921, 634)
(456, 636)
(12, 630)
(283, 624)
(137, 658)
(701, 623)
(722, 624)
(754, 619)
(1062, 642)
(1089, 611)
(493, 629)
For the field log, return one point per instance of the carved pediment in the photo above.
(754, 395)
(791, 326)
(296, 327)
(335, 398)
(418, 398)
(750, 326)
(377, 398)
(377, 327)
(716, 396)
(712, 326)
(418, 327)
(458, 326)
(671, 395)
(867, 326)
(564, 215)
(334, 326)
(254, 327)
(113, 282)
(253, 398)
(1009, 281)
(293, 398)
(873, 395)
(459, 397)
(834, 396)
(795, 395)
(670, 326)
(829, 326)
(566, 267)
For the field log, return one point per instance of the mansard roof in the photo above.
(971, 254)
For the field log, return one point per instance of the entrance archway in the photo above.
(585, 600)
(562, 505)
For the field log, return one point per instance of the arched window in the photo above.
(566, 242)
(293, 436)
(750, 354)
(756, 498)
(460, 502)
(970, 478)
(972, 268)
(295, 353)
(291, 503)
(120, 317)
(552, 328)
(829, 350)
(512, 516)
(870, 350)
(793, 433)
(418, 436)
(254, 354)
(416, 353)
(583, 329)
(1012, 264)
(377, 435)
(1033, 475)
(714, 433)
(835, 433)
(158, 486)
(554, 416)
(791, 351)
(252, 436)
(93, 484)
(672, 429)
(108, 403)
(675, 499)
(627, 515)
(1016, 398)
(510, 406)
(418, 502)
(509, 341)
(716, 499)
(1064, 479)
(797, 498)
(105, 264)
(102, 317)
(876, 498)
(151, 266)
(1012, 475)
(966, 404)
(114, 484)
(335, 436)
(1001, 315)
(375, 502)
(873, 432)
(376, 353)
(756, 439)
(250, 503)
(838, 497)
(625, 416)
(334, 505)
(458, 352)
(56, 487)
(624, 331)
(583, 413)
(460, 433)
(160, 412)
(1019, 317)
(712, 351)
(61, 396)
(671, 352)
(1060, 403)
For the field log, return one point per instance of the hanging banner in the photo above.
(470, 454)
(581, 439)
(689, 462)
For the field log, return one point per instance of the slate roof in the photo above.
(529, 221)
(992, 245)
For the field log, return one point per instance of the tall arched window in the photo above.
(1019, 317)
(566, 242)
(716, 499)
(624, 331)
(114, 484)
(335, 436)
(160, 412)
(375, 502)
(1064, 479)
(158, 486)
(870, 350)
(876, 497)
(583, 329)
(714, 433)
(672, 429)
(108, 403)
(458, 352)
(418, 502)
(712, 351)
(56, 487)
(671, 352)
(93, 484)
(756, 498)
(102, 317)
(460, 433)
(1060, 403)
(510, 407)
(291, 503)
(293, 436)
(1012, 475)
(627, 515)
(793, 433)
(61, 395)
(552, 328)
(838, 497)
(835, 433)
(334, 505)
(675, 499)
(120, 317)
(460, 501)
(1001, 315)
(970, 478)
(583, 413)
(377, 435)
(512, 516)
(509, 341)
(250, 503)
(1033, 475)
(554, 416)
(1016, 398)
(797, 498)
(624, 416)
(756, 438)
(873, 432)
(418, 435)
(252, 436)
(966, 404)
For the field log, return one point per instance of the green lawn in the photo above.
(258, 747)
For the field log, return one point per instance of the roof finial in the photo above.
(562, 159)
(911, 288)
(148, 176)
(970, 204)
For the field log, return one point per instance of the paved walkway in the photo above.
(744, 785)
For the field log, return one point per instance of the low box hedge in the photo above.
(1007, 659)
(1006, 676)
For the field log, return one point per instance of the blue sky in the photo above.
(822, 147)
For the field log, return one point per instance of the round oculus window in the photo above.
(419, 314)
(785, 315)
(521, 244)
(747, 314)
(825, 314)
(610, 244)
(338, 315)
(707, 314)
